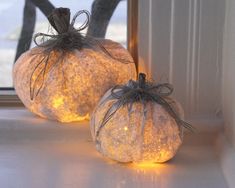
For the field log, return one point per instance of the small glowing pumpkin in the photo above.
(64, 77)
(138, 122)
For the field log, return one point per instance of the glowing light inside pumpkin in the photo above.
(66, 117)
(72, 87)
(125, 128)
(57, 102)
(126, 139)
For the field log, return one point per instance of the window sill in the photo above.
(8, 98)
(41, 153)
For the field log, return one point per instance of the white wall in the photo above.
(228, 89)
(181, 41)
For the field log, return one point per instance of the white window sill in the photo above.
(40, 153)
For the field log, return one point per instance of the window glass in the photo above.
(11, 19)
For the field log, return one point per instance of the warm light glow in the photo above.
(145, 165)
(67, 117)
(126, 139)
(57, 102)
(71, 88)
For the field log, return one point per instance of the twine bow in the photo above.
(141, 91)
(67, 39)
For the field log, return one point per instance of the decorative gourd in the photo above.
(64, 77)
(138, 122)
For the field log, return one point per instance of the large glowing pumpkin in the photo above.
(138, 122)
(64, 78)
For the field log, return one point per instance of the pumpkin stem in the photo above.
(60, 19)
(142, 80)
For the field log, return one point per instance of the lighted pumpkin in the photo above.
(138, 122)
(64, 77)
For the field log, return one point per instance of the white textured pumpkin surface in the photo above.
(72, 88)
(123, 139)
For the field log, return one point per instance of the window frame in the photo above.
(8, 96)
